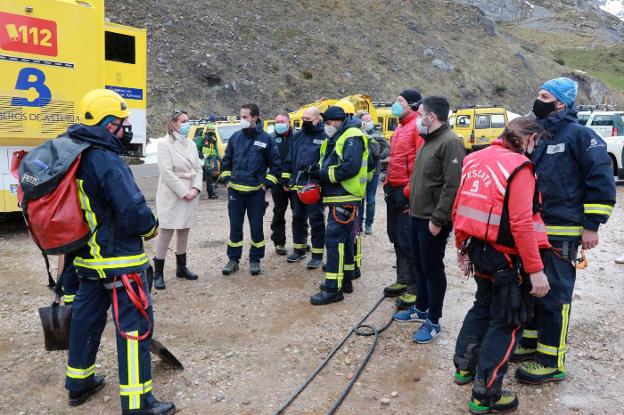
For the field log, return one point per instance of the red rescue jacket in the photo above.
(489, 208)
(404, 144)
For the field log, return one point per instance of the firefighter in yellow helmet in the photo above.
(112, 264)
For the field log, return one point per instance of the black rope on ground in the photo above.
(358, 329)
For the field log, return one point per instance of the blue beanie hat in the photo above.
(564, 89)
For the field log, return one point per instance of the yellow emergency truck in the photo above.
(52, 52)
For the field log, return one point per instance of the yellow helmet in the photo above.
(101, 103)
(346, 106)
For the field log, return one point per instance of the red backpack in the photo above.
(48, 195)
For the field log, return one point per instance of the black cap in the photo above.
(412, 97)
(334, 113)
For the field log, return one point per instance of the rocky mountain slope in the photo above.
(212, 56)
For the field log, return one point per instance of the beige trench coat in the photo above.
(180, 171)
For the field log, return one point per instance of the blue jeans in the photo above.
(369, 200)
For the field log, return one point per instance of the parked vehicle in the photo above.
(605, 122)
(478, 126)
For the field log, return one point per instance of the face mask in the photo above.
(397, 109)
(307, 125)
(127, 136)
(244, 124)
(542, 109)
(422, 129)
(184, 128)
(368, 125)
(330, 130)
(281, 128)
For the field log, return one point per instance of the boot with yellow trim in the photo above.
(152, 406)
(464, 377)
(522, 354)
(535, 373)
(406, 300)
(506, 402)
(395, 289)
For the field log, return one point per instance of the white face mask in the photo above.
(368, 125)
(422, 129)
(244, 124)
(330, 130)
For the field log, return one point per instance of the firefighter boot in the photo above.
(230, 267)
(327, 296)
(159, 276)
(152, 407)
(79, 397)
(181, 270)
(254, 267)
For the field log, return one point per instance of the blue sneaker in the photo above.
(410, 315)
(427, 332)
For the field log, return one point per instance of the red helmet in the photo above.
(310, 194)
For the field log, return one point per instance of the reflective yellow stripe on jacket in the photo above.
(564, 230)
(597, 209)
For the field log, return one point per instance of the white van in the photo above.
(606, 124)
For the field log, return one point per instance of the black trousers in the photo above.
(428, 256)
(398, 232)
(278, 223)
(301, 215)
(548, 331)
(485, 341)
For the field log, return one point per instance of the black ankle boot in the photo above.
(159, 276)
(152, 406)
(181, 270)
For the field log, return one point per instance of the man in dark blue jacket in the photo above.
(250, 166)
(303, 154)
(343, 171)
(282, 137)
(112, 264)
(575, 178)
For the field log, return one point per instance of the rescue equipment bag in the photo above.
(48, 194)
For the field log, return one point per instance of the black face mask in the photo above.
(126, 138)
(307, 125)
(542, 109)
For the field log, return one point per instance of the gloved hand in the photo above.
(513, 302)
(314, 171)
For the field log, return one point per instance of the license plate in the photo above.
(483, 140)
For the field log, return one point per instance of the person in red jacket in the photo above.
(499, 233)
(404, 145)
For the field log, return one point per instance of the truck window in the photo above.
(498, 121)
(582, 118)
(462, 121)
(483, 121)
(602, 121)
(199, 131)
(392, 123)
(120, 48)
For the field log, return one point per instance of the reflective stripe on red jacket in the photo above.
(481, 209)
(404, 145)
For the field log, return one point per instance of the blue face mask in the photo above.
(184, 128)
(397, 109)
(281, 128)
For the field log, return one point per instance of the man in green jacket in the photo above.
(433, 188)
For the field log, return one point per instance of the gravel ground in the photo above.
(248, 341)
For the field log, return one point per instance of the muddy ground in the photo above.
(247, 342)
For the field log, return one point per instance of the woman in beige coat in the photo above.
(179, 184)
